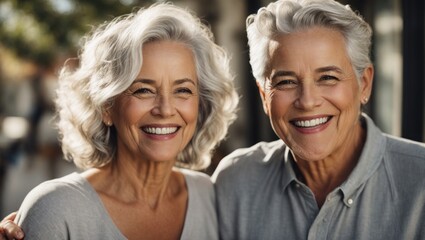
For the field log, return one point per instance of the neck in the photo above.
(135, 181)
(323, 176)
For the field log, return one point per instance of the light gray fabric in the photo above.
(259, 196)
(69, 208)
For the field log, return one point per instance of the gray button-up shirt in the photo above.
(259, 196)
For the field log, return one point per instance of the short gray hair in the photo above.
(288, 16)
(111, 59)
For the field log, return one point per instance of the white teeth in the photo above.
(312, 122)
(160, 131)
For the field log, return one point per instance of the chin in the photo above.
(308, 155)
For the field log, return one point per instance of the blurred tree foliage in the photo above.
(38, 30)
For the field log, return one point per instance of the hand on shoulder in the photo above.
(9, 229)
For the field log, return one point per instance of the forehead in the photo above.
(310, 46)
(167, 59)
(167, 50)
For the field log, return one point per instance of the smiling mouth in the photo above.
(160, 130)
(311, 123)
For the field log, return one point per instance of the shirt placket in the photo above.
(320, 227)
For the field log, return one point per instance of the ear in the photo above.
(106, 115)
(366, 83)
(263, 98)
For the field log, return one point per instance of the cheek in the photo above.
(344, 98)
(129, 112)
(188, 109)
(279, 107)
(279, 103)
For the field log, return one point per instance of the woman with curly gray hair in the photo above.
(151, 98)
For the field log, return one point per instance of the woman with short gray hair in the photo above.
(332, 174)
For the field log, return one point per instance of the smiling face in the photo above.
(156, 116)
(312, 96)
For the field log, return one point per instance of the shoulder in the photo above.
(197, 181)
(54, 191)
(394, 148)
(201, 218)
(404, 162)
(47, 205)
(196, 176)
(201, 191)
(405, 155)
(258, 153)
(247, 161)
(405, 147)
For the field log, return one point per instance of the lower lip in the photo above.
(311, 130)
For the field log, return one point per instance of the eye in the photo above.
(285, 84)
(143, 91)
(328, 79)
(184, 90)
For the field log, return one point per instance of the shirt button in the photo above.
(350, 201)
(297, 185)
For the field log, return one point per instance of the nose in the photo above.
(164, 106)
(308, 97)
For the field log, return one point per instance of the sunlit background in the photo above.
(37, 36)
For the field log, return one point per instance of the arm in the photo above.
(9, 229)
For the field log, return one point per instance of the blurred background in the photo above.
(37, 36)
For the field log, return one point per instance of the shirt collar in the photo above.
(288, 169)
(369, 161)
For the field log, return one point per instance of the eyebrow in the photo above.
(144, 80)
(151, 81)
(184, 80)
(282, 73)
(329, 69)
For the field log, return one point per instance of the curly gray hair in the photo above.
(111, 59)
(288, 16)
